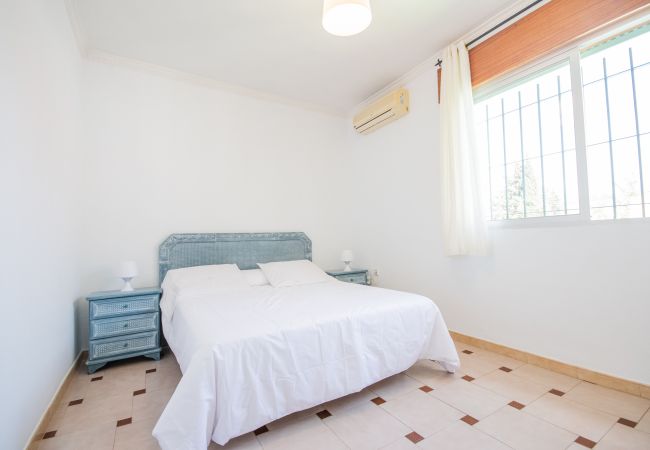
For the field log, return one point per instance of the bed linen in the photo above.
(250, 356)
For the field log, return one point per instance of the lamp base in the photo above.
(347, 267)
(127, 285)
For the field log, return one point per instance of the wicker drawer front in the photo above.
(106, 348)
(132, 305)
(123, 325)
(353, 278)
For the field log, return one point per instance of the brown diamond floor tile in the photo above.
(76, 402)
(122, 422)
(468, 352)
(139, 392)
(516, 405)
(505, 369)
(627, 423)
(468, 378)
(426, 389)
(49, 434)
(469, 420)
(556, 392)
(97, 378)
(585, 442)
(414, 437)
(150, 371)
(324, 414)
(378, 400)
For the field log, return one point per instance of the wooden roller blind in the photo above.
(548, 28)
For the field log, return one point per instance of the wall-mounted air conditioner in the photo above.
(385, 110)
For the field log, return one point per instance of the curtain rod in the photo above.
(497, 26)
(503, 22)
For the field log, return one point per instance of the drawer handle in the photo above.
(126, 325)
(125, 345)
(125, 306)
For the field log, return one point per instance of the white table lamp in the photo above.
(127, 271)
(347, 257)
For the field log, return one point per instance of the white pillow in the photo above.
(293, 273)
(255, 277)
(220, 275)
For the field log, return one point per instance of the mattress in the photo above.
(252, 355)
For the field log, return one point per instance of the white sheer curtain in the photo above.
(464, 222)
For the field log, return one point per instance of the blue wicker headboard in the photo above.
(243, 249)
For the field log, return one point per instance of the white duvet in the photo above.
(252, 355)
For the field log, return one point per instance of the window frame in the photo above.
(572, 55)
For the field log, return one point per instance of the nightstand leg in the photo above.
(154, 356)
(92, 368)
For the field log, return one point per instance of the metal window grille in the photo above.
(526, 134)
(616, 86)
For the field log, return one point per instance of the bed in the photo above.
(251, 356)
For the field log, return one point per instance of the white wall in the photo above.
(165, 156)
(579, 294)
(39, 170)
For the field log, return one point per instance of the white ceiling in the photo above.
(279, 46)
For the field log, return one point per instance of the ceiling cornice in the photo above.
(211, 83)
(92, 54)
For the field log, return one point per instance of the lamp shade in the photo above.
(127, 269)
(347, 256)
(346, 17)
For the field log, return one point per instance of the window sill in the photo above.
(560, 221)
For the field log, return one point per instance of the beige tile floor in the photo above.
(495, 402)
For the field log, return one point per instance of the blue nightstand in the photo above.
(358, 276)
(123, 325)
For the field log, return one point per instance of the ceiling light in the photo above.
(346, 17)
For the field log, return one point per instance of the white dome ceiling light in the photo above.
(346, 17)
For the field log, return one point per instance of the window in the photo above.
(527, 134)
(527, 131)
(616, 87)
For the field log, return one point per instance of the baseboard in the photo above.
(39, 430)
(602, 379)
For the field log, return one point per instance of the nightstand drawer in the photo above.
(123, 325)
(105, 348)
(132, 305)
(359, 278)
